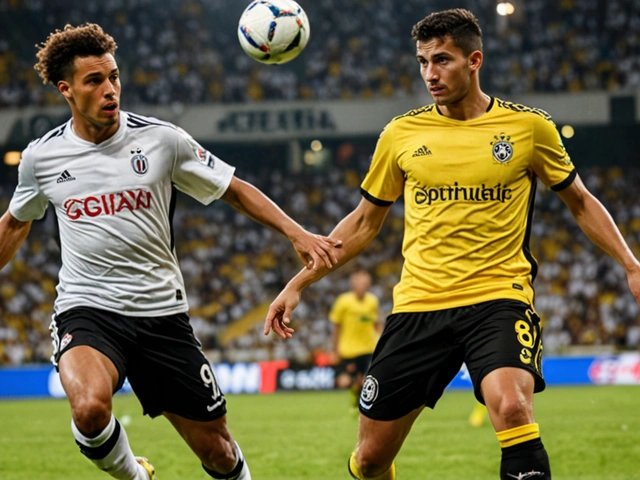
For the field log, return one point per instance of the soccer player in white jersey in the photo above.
(121, 308)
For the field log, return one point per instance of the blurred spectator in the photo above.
(187, 51)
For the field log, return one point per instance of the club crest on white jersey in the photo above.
(139, 162)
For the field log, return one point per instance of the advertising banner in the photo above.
(281, 375)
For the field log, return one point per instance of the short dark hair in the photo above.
(57, 54)
(459, 24)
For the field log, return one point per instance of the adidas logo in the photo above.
(65, 177)
(421, 152)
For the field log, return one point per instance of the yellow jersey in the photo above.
(357, 319)
(469, 189)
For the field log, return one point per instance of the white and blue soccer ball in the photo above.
(273, 31)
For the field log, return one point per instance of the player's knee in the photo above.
(91, 415)
(515, 411)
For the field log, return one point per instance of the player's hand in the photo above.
(314, 250)
(279, 315)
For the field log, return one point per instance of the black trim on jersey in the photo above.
(566, 182)
(134, 121)
(56, 227)
(101, 451)
(491, 100)
(417, 111)
(56, 133)
(137, 124)
(527, 234)
(374, 200)
(172, 211)
(518, 107)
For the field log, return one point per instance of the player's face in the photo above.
(94, 91)
(444, 69)
(360, 283)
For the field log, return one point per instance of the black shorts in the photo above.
(354, 366)
(419, 354)
(160, 356)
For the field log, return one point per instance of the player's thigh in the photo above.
(503, 334)
(169, 372)
(415, 359)
(86, 373)
(88, 352)
(380, 441)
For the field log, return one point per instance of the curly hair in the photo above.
(459, 24)
(57, 54)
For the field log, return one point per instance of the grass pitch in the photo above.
(591, 433)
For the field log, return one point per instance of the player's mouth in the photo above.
(110, 108)
(436, 90)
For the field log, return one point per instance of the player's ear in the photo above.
(475, 60)
(64, 88)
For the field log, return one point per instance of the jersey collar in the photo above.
(74, 137)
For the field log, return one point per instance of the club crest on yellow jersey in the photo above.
(502, 148)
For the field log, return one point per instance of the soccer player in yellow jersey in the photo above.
(355, 317)
(467, 166)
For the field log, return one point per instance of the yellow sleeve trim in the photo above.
(514, 436)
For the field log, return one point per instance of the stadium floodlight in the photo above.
(316, 145)
(567, 131)
(505, 8)
(12, 158)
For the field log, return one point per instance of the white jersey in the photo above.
(114, 202)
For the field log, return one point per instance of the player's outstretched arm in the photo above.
(313, 250)
(356, 229)
(596, 222)
(12, 233)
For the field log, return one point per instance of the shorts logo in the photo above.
(369, 392)
(66, 340)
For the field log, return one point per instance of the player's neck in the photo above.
(471, 106)
(93, 133)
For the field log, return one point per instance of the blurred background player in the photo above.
(478, 415)
(356, 328)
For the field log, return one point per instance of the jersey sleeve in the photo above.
(384, 182)
(199, 173)
(28, 202)
(551, 162)
(335, 315)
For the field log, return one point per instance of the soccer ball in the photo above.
(273, 31)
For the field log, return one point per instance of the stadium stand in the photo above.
(186, 52)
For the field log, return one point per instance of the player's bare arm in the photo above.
(596, 222)
(12, 233)
(313, 250)
(357, 230)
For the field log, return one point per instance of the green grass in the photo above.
(591, 433)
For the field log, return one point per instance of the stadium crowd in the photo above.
(233, 265)
(187, 51)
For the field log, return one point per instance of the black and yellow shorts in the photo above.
(419, 353)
